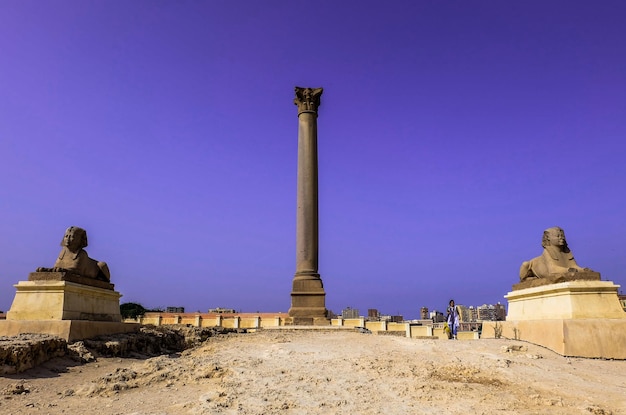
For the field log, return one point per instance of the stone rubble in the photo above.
(20, 353)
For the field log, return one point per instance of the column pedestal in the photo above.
(308, 302)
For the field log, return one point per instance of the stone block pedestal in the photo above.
(64, 300)
(308, 303)
(65, 305)
(574, 318)
(68, 330)
(566, 300)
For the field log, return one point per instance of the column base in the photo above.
(308, 300)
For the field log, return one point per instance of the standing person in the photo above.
(452, 319)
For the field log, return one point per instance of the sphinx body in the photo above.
(555, 261)
(75, 259)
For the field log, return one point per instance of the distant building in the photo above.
(175, 310)
(491, 312)
(437, 316)
(473, 314)
(500, 312)
(464, 313)
(349, 312)
(373, 313)
(424, 313)
(392, 319)
(220, 310)
(486, 312)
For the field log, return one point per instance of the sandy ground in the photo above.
(275, 372)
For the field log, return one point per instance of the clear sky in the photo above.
(450, 135)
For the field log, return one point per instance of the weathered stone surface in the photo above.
(75, 259)
(152, 341)
(557, 278)
(556, 263)
(80, 353)
(69, 330)
(592, 338)
(69, 276)
(25, 351)
(565, 300)
(64, 300)
(307, 99)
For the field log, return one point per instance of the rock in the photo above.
(18, 388)
(513, 348)
(22, 352)
(80, 353)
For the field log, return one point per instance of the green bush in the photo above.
(132, 310)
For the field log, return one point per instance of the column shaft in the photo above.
(307, 245)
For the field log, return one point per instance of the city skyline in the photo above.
(449, 137)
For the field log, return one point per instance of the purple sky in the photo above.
(450, 135)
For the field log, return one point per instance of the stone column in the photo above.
(307, 296)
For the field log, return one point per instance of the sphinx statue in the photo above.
(556, 263)
(73, 258)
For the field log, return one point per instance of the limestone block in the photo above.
(421, 331)
(467, 335)
(440, 333)
(566, 300)
(591, 338)
(397, 326)
(376, 325)
(64, 300)
(69, 330)
(354, 322)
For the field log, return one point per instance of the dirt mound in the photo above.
(20, 353)
(152, 340)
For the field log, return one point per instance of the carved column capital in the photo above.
(307, 99)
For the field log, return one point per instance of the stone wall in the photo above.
(270, 320)
(228, 320)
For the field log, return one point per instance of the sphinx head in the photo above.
(75, 238)
(554, 237)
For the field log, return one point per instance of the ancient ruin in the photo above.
(308, 304)
(555, 264)
(73, 300)
(73, 258)
(564, 307)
